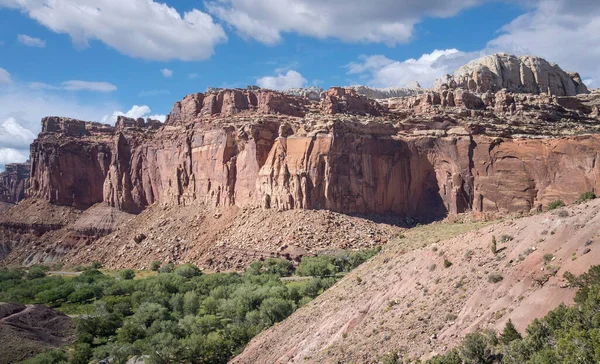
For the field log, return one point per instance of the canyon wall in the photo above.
(14, 182)
(504, 133)
(348, 154)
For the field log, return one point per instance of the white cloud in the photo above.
(561, 31)
(566, 32)
(385, 21)
(76, 85)
(166, 72)
(136, 111)
(13, 135)
(381, 71)
(22, 108)
(31, 41)
(137, 28)
(11, 155)
(4, 76)
(192, 76)
(291, 79)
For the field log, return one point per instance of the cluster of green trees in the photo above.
(178, 315)
(564, 335)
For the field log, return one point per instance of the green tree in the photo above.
(510, 333)
(273, 310)
(191, 303)
(319, 266)
(55, 356)
(127, 274)
(475, 350)
(156, 265)
(36, 272)
(82, 353)
(188, 271)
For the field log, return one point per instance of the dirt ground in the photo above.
(436, 283)
(27, 330)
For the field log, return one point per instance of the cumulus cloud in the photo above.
(136, 111)
(11, 155)
(31, 41)
(137, 28)
(291, 79)
(562, 31)
(14, 135)
(22, 108)
(381, 71)
(4, 76)
(385, 21)
(166, 72)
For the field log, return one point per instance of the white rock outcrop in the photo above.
(521, 74)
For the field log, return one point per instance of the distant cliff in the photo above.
(14, 182)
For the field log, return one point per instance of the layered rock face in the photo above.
(422, 156)
(524, 74)
(472, 144)
(14, 182)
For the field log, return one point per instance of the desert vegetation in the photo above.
(177, 315)
(564, 335)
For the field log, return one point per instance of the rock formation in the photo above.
(524, 74)
(14, 181)
(420, 156)
(458, 148)
(388, 92)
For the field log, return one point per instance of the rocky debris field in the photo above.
(229, 239)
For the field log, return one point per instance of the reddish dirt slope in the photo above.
(410, 303)
(26, 331)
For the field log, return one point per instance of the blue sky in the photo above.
(137, 57)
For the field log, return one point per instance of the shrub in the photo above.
(555, 204)
(475, 349)
(82, 295)
(495, 278)
(279, 267)
(319, 266)
(36, 272)
(453, 357)
(506, 238)
(447, 263)
(510, 333)
(55, 356)
(167, 268)
(586, 196)
(127, 274)
(156, 265)
(494, 245)
(96, 265)
(275, 309)
(547, 258)
(188, 271)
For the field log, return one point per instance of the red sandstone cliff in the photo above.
(14, 182)
(424, 156)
